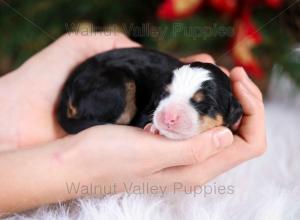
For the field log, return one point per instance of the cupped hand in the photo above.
(249, 140)
(113, 154)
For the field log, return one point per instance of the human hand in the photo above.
(108, 154)
(28, 95)
(35, 123)
(114, 155)
(249, 140)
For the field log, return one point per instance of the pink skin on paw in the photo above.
(147, 127)
(236, 126)
(151, 128)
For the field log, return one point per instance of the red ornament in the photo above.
(225, 6)
(178, 9)
(246, 34)
(245, 39)
(274, 3)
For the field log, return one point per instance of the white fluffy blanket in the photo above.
(266, 188)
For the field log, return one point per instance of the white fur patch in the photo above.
(188, 80)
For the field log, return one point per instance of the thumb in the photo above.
(196, 149)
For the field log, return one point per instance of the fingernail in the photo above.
(223, 137)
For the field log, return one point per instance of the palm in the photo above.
(37, 83)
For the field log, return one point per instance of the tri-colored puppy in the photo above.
(137, 86)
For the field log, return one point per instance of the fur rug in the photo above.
(264, 188)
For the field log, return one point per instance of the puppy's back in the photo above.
(112, 87)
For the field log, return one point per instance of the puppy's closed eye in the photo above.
(198, 97)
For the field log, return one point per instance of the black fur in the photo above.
(96, 88)
(218, 96)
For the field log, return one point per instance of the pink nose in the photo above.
(170, 118)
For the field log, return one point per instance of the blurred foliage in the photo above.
(20, 38)
(28, 26)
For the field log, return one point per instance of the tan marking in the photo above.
(208, 122)
(198, 97)
(130, 108)
(71, 110)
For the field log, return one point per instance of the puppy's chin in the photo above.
(185, 131)
(175, 135)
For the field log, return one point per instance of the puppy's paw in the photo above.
(236, 125)
(151, 128)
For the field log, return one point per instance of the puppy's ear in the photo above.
(235, 111)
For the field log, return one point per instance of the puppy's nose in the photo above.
(170, 118)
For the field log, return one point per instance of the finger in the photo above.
(205, 58)
(225, 70)
(239, 74)
(68, 51)
(201, 173)
(194, 150)
(74, 48)
(92, 44)
(252, 124)
(246, 98)
(122, 41)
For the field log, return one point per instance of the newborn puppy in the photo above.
(198, 98)
(137, 86)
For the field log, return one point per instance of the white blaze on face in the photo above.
(175, 117)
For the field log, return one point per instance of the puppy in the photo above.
(137, 86)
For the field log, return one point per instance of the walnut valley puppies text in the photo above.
(147, 188)
(193, 32)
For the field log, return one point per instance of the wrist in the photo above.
(81, 162)
(34, 177)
